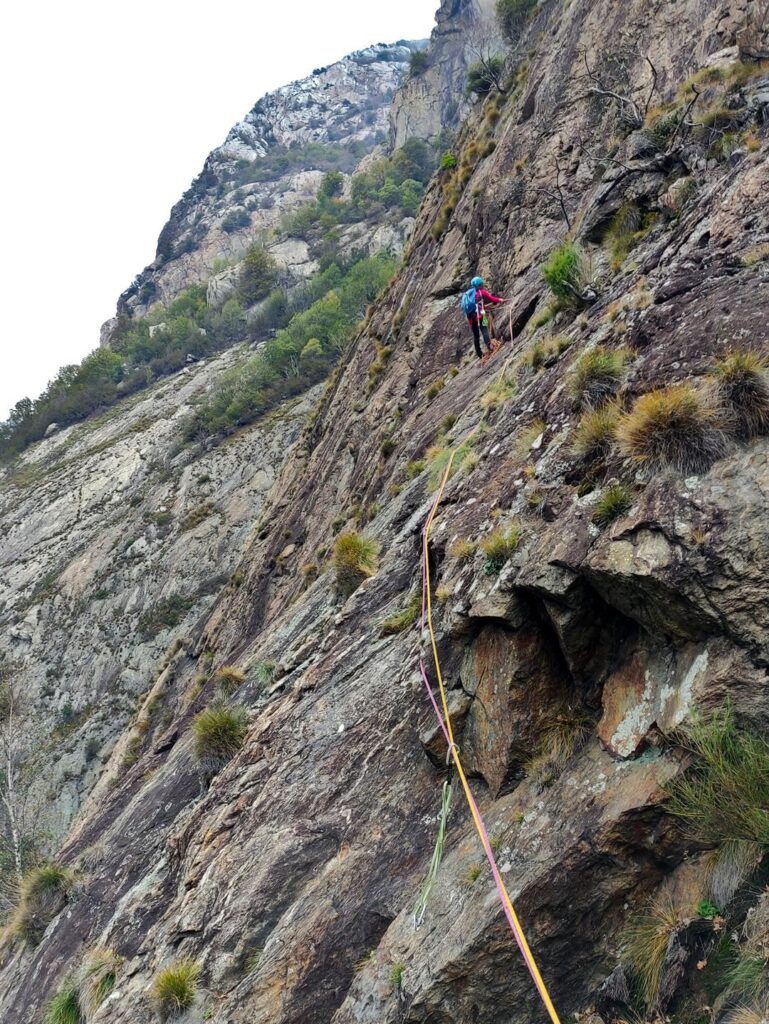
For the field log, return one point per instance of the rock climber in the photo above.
(474, 307)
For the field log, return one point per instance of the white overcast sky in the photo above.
(109, 108)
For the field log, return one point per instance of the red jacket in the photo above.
(482, 297)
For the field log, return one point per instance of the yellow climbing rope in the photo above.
(447, 727)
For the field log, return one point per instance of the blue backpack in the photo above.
(468, 302)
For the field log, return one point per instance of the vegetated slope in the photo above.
(618, 584)
(270, 163)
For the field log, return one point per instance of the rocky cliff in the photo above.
(600, 561)
(272, 162)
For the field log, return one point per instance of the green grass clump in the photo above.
(594, 435)
(499, 546)
(646, 944)
(597, 376)
(42, 895)
(473, 873)
(175, 987)
(404, 619)
(396, 976)
(387, 447)
(566, 275)
(64, 1008)
(707, 909)
(503, 388)
(679, 427)
(435, 389)
(438, 458)
(742, 386)
(615, 501)
(722, 798)
(96, 978)
(218, 734)
(354, 560)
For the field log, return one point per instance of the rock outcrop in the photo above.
(290, 877)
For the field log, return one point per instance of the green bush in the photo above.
(419, 62)
(513, 15)
(448, 162)
(485, 75)
(235, 220)
(258, 276)
(565, 274)
(332, 184)
(175, 987)
(166, 614)
(64, 1008)
(218, 734)
(354, 560)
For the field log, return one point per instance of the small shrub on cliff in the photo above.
(498, 547)
(258, 276)
(354, 560)
(566, 274)
(64, 1008)
(594, 435)
(614, 502)
(175, 987)
(679, 426)
(42, 895)
(96, 978)
(646, 944)
(419, 62)
(218, 734)
(402, 620)
(742, 386)
(597, 376)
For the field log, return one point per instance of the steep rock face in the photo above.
(435, 100)
(291, 879)
(345, 106)
(113, 544)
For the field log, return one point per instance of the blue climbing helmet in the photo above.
(477, 282)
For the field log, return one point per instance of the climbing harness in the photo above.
(444, 721)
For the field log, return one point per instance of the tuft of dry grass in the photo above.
(463, 549)
(354, 560)
(175, 987)
(560, 739)
(680, 427)
(42, 895)
(96, 978)
(646, 942)
(597, 376)
(741, 382)
(499, 546)
(218, 734)
(595, 432)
